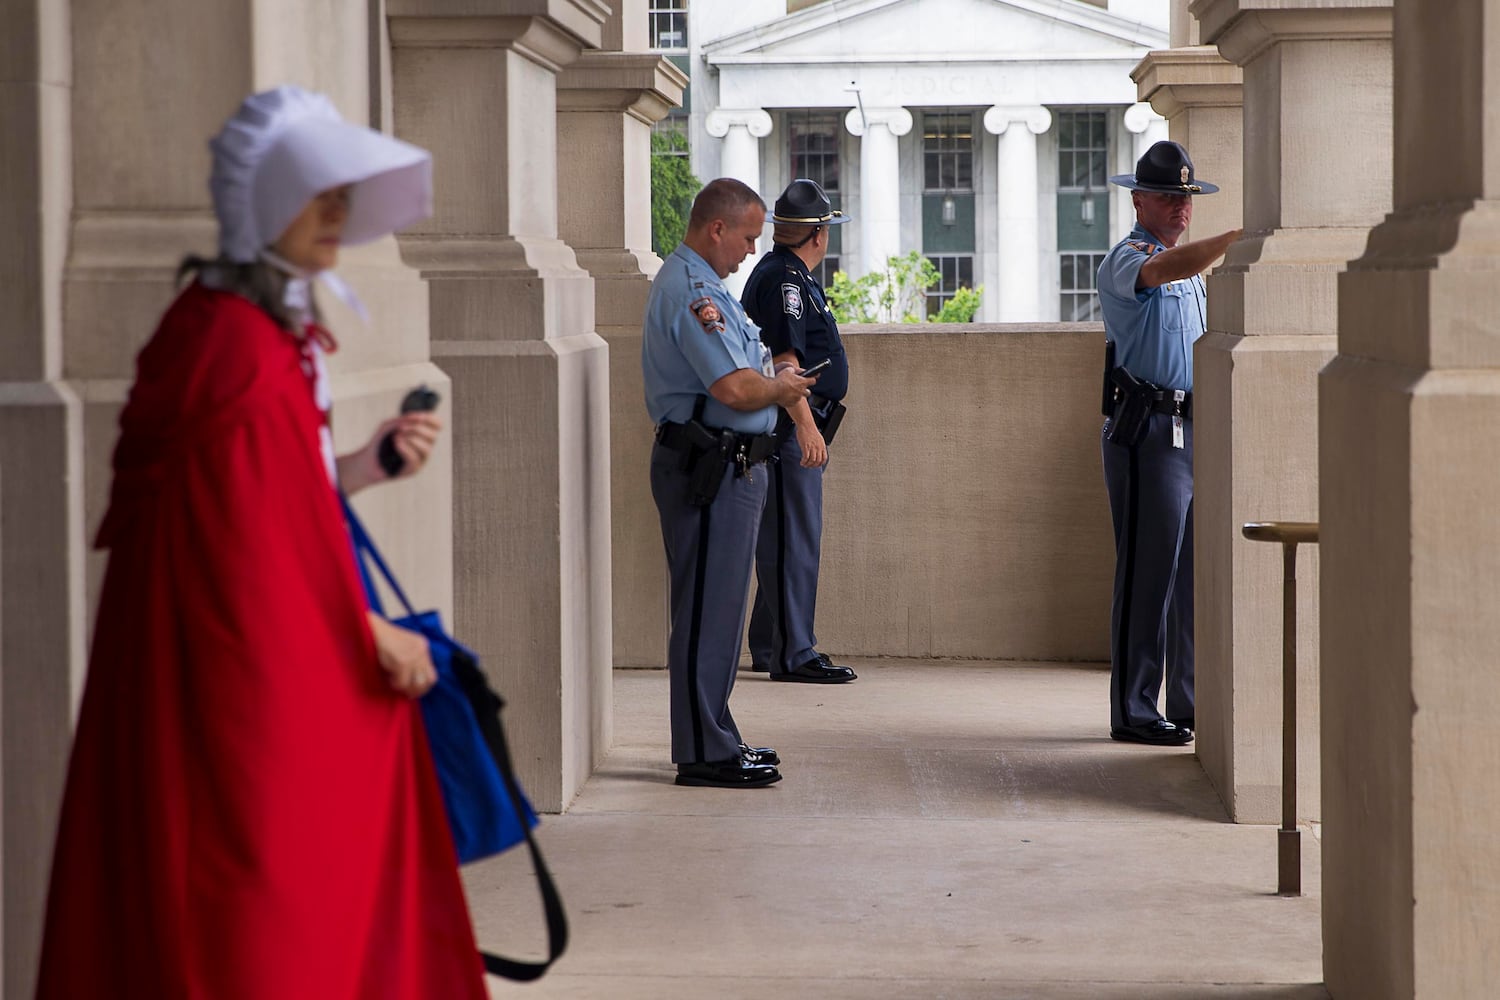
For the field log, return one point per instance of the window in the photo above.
(1082, 210)
(1082, 150)
(955, 271)
(948, 151)
(668, 25)
(674, 137)
(1080, 301)
(813, 138)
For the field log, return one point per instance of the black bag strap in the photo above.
(486, 705)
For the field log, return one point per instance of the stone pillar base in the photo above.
(530, 417)
(42, 645)
(1411, 549)
(1255, 408)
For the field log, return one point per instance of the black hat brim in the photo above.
(1129, 183)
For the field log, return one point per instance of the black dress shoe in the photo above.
(732, 773)
(759, 755)
(823, 659)
(1183, 723)
(1159, 733)
(816, 671)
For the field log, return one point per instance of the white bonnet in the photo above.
(283, 147)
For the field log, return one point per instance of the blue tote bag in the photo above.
(487, 811)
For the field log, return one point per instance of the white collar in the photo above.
(298, 294)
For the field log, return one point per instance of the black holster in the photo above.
(703, 453)
(828, 414)
(1130, 412)
(706, 467)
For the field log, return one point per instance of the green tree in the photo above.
(961, 308)
(673, 187)
(898, 294)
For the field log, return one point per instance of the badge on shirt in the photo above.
(708, 315)
(791, 300)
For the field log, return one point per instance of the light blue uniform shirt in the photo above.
(696, 332)
(1154, 328)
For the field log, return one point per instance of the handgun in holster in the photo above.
(710, 459)
(1131, 409)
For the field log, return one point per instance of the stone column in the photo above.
(1410, 413)
(1201, 95)
(1316, 176)
(43, 541)
(741, 129)
(607, 102)
(98, 221)
(879, 210)
(1019, 284)
(512, 320)
(1145, 127)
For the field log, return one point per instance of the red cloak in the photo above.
(250, 812)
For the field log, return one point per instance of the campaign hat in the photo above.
(1165, 168)
(805, 203)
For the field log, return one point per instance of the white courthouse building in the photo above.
(980, 132)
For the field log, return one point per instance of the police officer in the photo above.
(787, 303)
(713, 391)
(1152, 297)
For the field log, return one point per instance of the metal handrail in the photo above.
(1288, 839)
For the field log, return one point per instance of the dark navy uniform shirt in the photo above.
(787, 303)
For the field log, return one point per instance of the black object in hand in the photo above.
(419, 400)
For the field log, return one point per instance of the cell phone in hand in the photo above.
(812, 370)
(419, 400)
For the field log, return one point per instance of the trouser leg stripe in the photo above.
(1122, 643)
(779, 629)
(695, 630)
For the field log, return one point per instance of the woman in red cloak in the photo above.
(251, 808)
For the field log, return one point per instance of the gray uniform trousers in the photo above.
(710, 552)
(1151, 620)
(786, 563)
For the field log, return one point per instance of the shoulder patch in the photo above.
(708, 315)
(791, 300)
(1142, 246)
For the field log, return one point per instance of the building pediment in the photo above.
(947, 31)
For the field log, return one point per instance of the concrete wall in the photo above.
(105, 112)
(965, 512)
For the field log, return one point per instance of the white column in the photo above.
(1145, 128)
(1019, 287)
(741, 129)
(879, 211)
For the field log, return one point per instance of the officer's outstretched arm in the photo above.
(748, 389)
(1184, 261)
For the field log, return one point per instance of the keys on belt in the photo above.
(1173, 402)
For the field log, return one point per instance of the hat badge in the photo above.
(1185, 175)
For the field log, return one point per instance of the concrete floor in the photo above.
(943, 830)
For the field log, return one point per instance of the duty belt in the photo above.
(750, 449)
(1166, 401)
